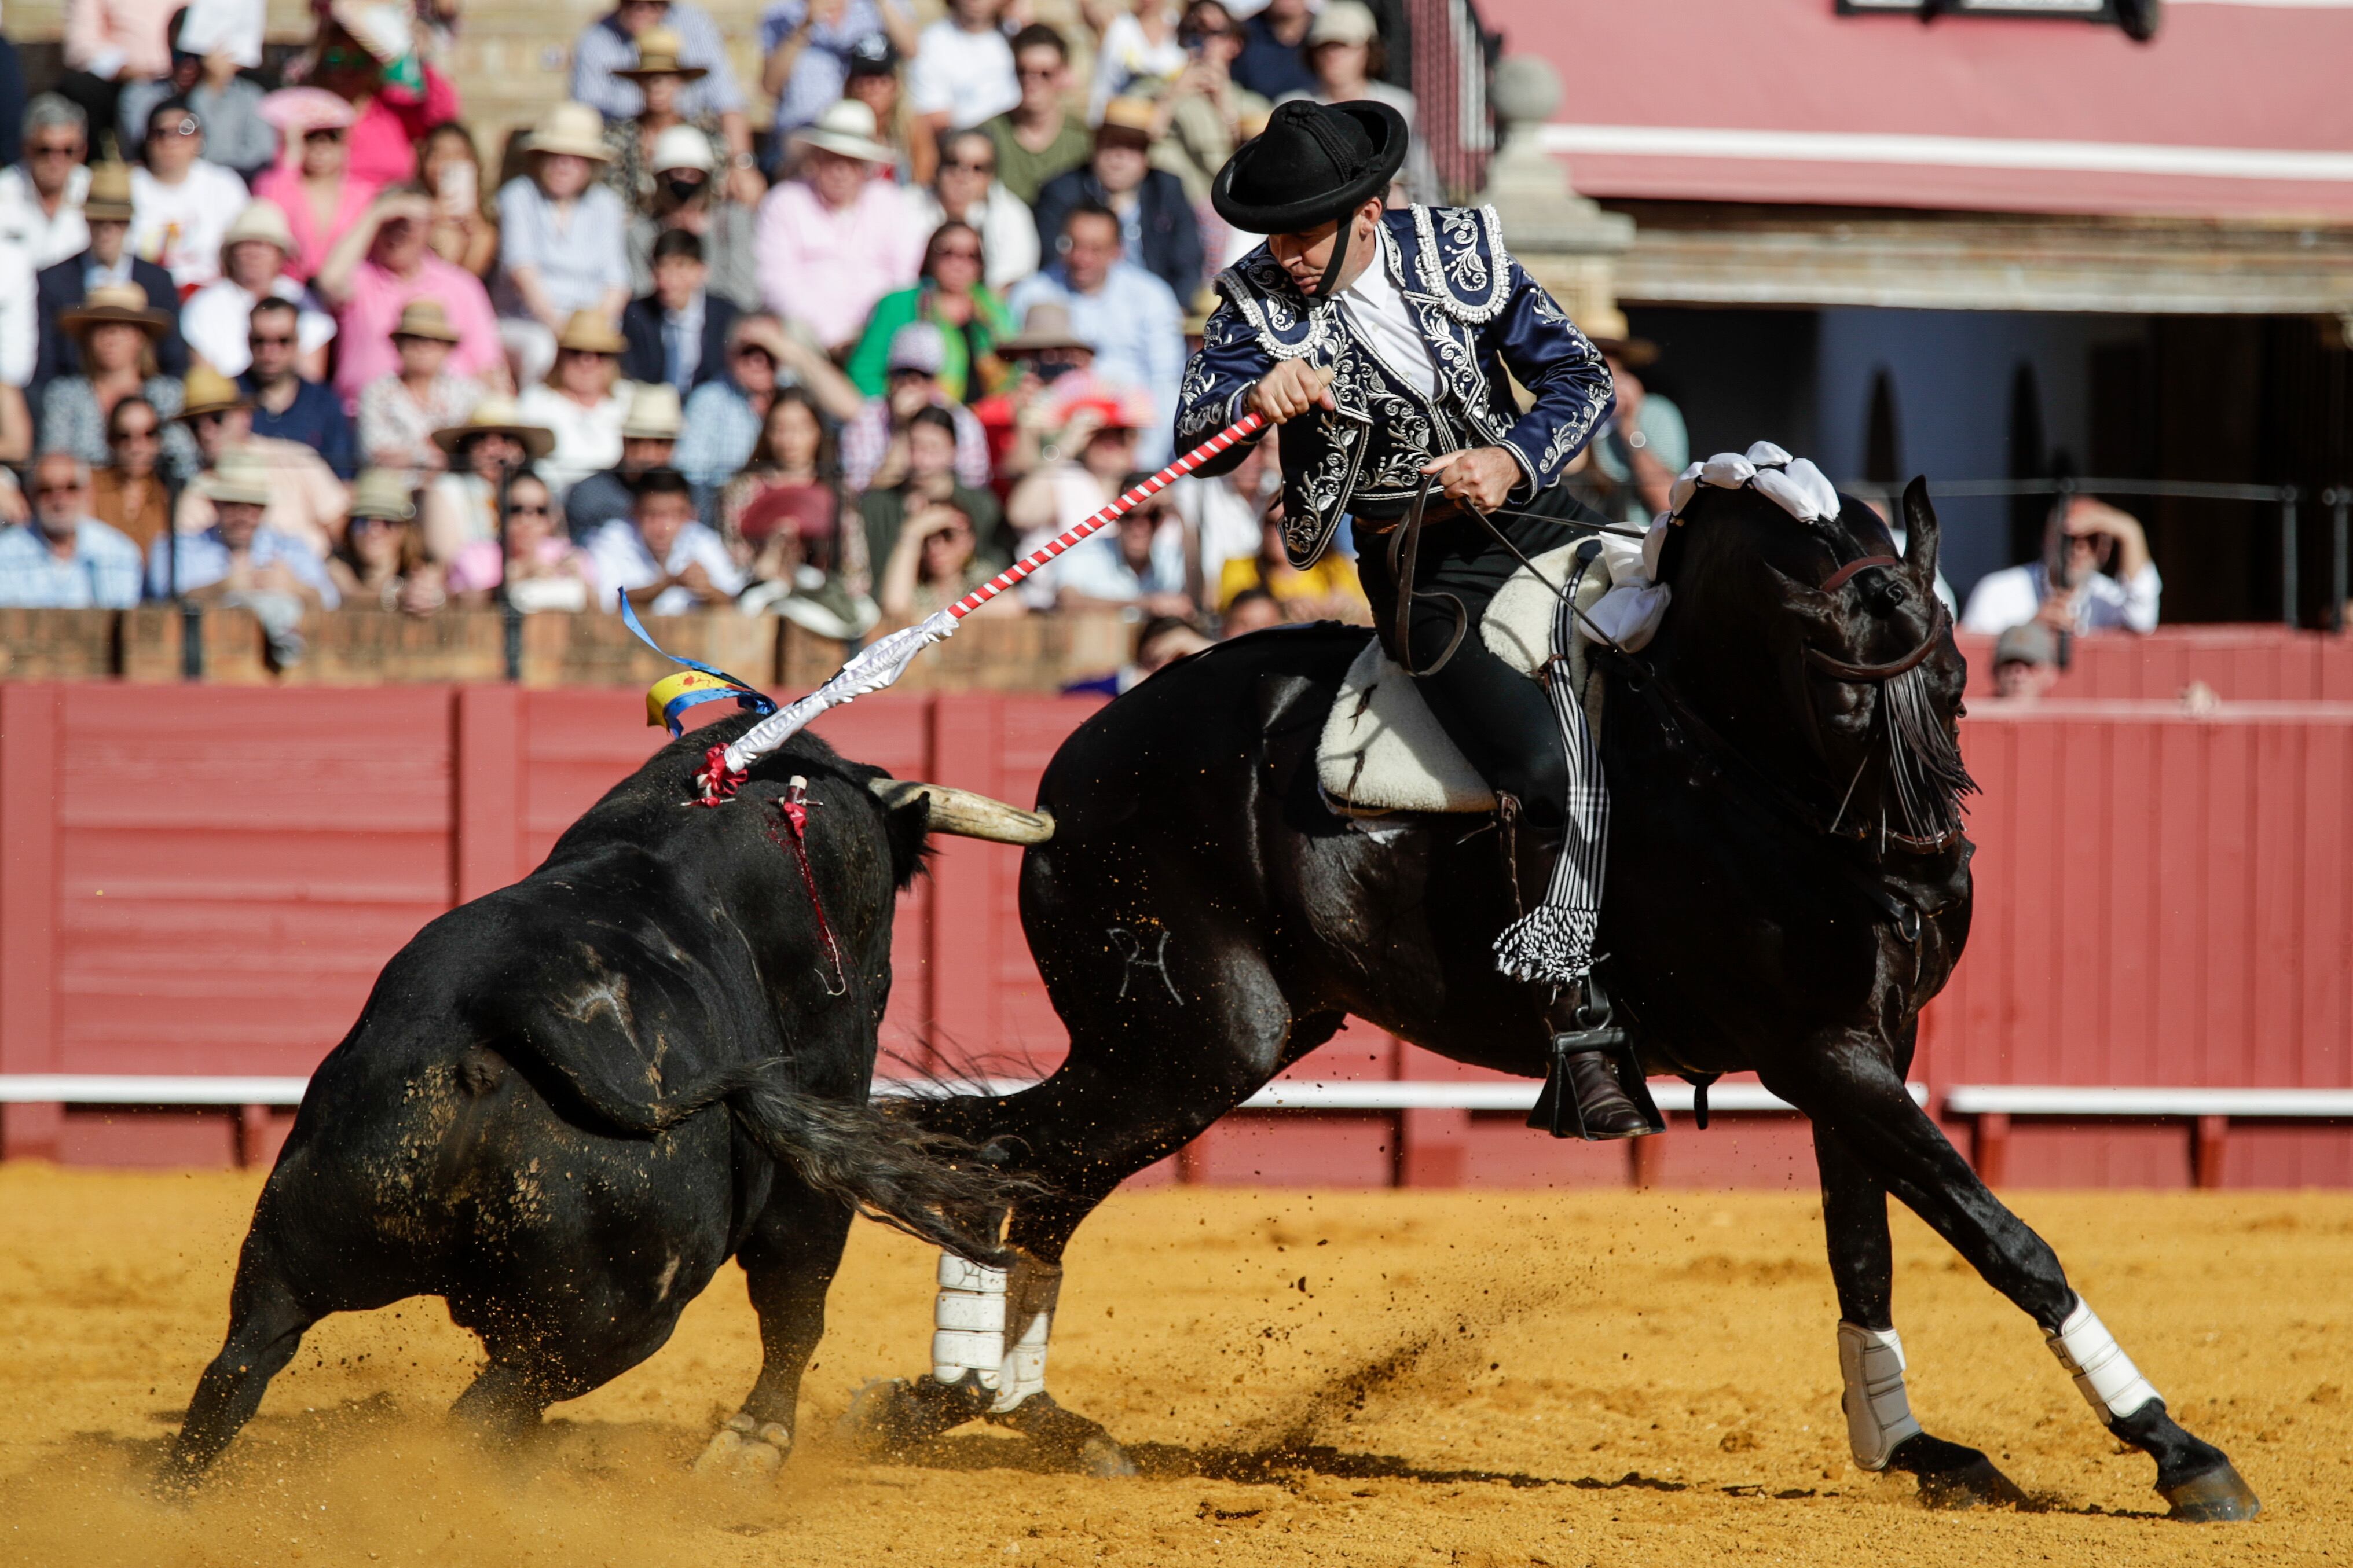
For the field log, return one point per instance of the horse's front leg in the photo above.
(1881, 1430)
(1846, 1081)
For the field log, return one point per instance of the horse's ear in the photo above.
(1920, 534)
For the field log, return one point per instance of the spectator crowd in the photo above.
(291, 334)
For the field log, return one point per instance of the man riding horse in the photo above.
(1380, 339)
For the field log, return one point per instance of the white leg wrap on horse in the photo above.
(1878, 1411)
(992, 1324)
(969, 1322)
(2112, 1386)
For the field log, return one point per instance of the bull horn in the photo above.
(961, 812)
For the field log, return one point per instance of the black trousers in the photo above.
(1502, 720)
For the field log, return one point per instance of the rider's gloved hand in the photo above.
(1290, 390)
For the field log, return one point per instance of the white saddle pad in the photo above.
(1382, 748)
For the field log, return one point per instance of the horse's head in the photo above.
(1822, 653)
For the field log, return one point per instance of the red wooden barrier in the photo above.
(207, 880)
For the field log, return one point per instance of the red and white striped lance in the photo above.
(886, 658)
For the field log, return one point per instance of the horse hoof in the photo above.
(1976, 1484)
(745, 1449)
(1104, 1459)
(2217, 1497)
(891, 1416)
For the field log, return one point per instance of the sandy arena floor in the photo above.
(1455, 1378)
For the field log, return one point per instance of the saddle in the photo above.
(1382, 749)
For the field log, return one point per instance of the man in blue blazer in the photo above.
(676, 335)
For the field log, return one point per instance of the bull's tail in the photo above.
(932, 1187)
(924, 1183)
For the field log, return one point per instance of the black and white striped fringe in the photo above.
(1554, 942)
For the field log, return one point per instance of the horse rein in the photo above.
(1861, 674)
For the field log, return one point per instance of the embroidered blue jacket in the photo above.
(1481, 313)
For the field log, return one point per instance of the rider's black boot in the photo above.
(1595, 1090)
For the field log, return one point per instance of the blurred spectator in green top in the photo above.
(951, 296)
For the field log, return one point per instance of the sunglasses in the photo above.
(362, 524)
(260, 340)
(324, 133)
(68, 150)
(970, 166)
(1030, 73)
(959, 253)
(519, 510)
(136, 433)
(187, 125)
(39, 490)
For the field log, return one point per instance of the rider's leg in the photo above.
(1505, 726)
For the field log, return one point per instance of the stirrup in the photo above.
(1557, 1110)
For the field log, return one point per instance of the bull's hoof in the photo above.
(1952, 1477)
(746, 1449)
(2215, 1498)
(891, 1416)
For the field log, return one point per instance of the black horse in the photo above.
(1788, 885)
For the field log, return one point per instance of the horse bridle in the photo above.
(1842, 670)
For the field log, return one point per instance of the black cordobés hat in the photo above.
(1315, 163)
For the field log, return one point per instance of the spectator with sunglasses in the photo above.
(128, 494)
(381, 562)
(206, 81)
(1202, 114)
(965, 188)
(182, 204)
(539, 569)
(312, 184)
(41, 197)
(1039, 137)
(805, 49)
(301, 496)
(950, 296)
(66, 559)
(287, 405)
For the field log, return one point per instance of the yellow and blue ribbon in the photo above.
(667, 699)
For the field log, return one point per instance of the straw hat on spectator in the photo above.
(654, 413)
(1047, 326)
(1128, 120)
(1342, 22)
(262, 221)
(591, 332)
(682, 147)
(109, 200)
(425, 318)
(571, 129)
(383, 492)
(239, 478)
(1606, 327)
(846, 128)
(657, 55)
(123, 304)
(205, 390)
(497, 416)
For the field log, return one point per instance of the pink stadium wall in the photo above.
(206, 880)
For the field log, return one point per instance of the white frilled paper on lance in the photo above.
(871, 668)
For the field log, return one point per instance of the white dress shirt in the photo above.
(217, 322)
(587, 440)
(49, 238)
(2011, 596)
(180, 226)
(1379, 311)
(624, 562)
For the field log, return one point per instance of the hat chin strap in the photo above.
(1339, 256)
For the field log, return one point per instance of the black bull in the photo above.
(568, 1102)
(1787, 888)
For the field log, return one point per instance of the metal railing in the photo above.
(2338, 499)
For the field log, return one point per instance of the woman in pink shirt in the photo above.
(367, 55)
(312, 182)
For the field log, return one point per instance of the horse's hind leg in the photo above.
(1881, 1430)
(1847, 1082)
(266, 1323)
